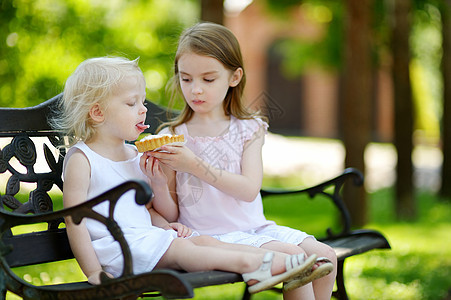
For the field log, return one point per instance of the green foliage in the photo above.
(419, 264)
(425, 72)
(43, 41)
(326, 51)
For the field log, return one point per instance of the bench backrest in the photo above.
(31, 175)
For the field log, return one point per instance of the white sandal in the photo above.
(296, 265)
(322, 270)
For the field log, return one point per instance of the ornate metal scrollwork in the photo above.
(24, 150)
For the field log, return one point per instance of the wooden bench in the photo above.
(21, 127)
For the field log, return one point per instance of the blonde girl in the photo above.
(216, 177)
(103, 107)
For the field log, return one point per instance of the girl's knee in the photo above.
(329, 252)
(315, 247)
(204, 240)
(324, 250)
(180, 243)
(283, 247)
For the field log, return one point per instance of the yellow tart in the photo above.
(152, 142)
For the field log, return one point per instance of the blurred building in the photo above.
(308, 105)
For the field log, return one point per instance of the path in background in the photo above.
(321, 159)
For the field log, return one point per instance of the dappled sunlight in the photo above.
(380, 163)
(51, 273)
(379, 289)
(312, 160)
(301, 161)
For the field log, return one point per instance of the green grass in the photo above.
(417, 267)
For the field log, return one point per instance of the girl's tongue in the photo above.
(142, 127)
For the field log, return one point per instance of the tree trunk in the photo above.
(445, 190)
(212, 11)
(357, 100)
(403, 135)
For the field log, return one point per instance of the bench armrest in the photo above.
(336, 184)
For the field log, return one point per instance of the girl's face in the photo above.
(205, 81)
(126, 112)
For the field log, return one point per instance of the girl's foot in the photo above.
(295, 266)
(320, 268)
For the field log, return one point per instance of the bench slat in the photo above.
(38, 247)
(357, 243)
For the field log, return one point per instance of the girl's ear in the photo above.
(236, 77)
(96, 113)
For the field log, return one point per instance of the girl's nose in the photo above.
(197, 89)
(143, 108)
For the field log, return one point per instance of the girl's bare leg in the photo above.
(319, 289)
(323, 286)
(303, 292)
(186, 255)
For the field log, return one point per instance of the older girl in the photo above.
(216, 177)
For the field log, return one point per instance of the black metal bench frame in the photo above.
(23, 124)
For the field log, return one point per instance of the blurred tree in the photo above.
(347, 46)
(420, 59)
(327, 52)
(212, 11)
(43, 41)
(425, 45)
(357, 92)
(8, 56)
(404, 114)
(445, 9)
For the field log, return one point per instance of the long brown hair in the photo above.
(218, 42)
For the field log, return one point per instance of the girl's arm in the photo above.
(76, 182)
(162, 201)
(159, 221)
(244, 186)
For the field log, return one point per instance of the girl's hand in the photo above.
(150, 166)
(178, 158)
(182, 230)
(94, 278)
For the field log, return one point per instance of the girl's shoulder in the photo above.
(252, 124)
(76, 154)
(180, 129)
(246, 128)
(79, 147)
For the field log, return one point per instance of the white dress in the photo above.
(147, 242)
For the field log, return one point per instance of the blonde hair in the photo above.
(218, 42)
(92, 82)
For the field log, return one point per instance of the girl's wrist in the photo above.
(167, 227)
(203, 170)
(159, 186)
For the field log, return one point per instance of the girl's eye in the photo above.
(209, 79)
(131, 104)
(185, 79)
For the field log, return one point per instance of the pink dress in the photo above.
(202, 206)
